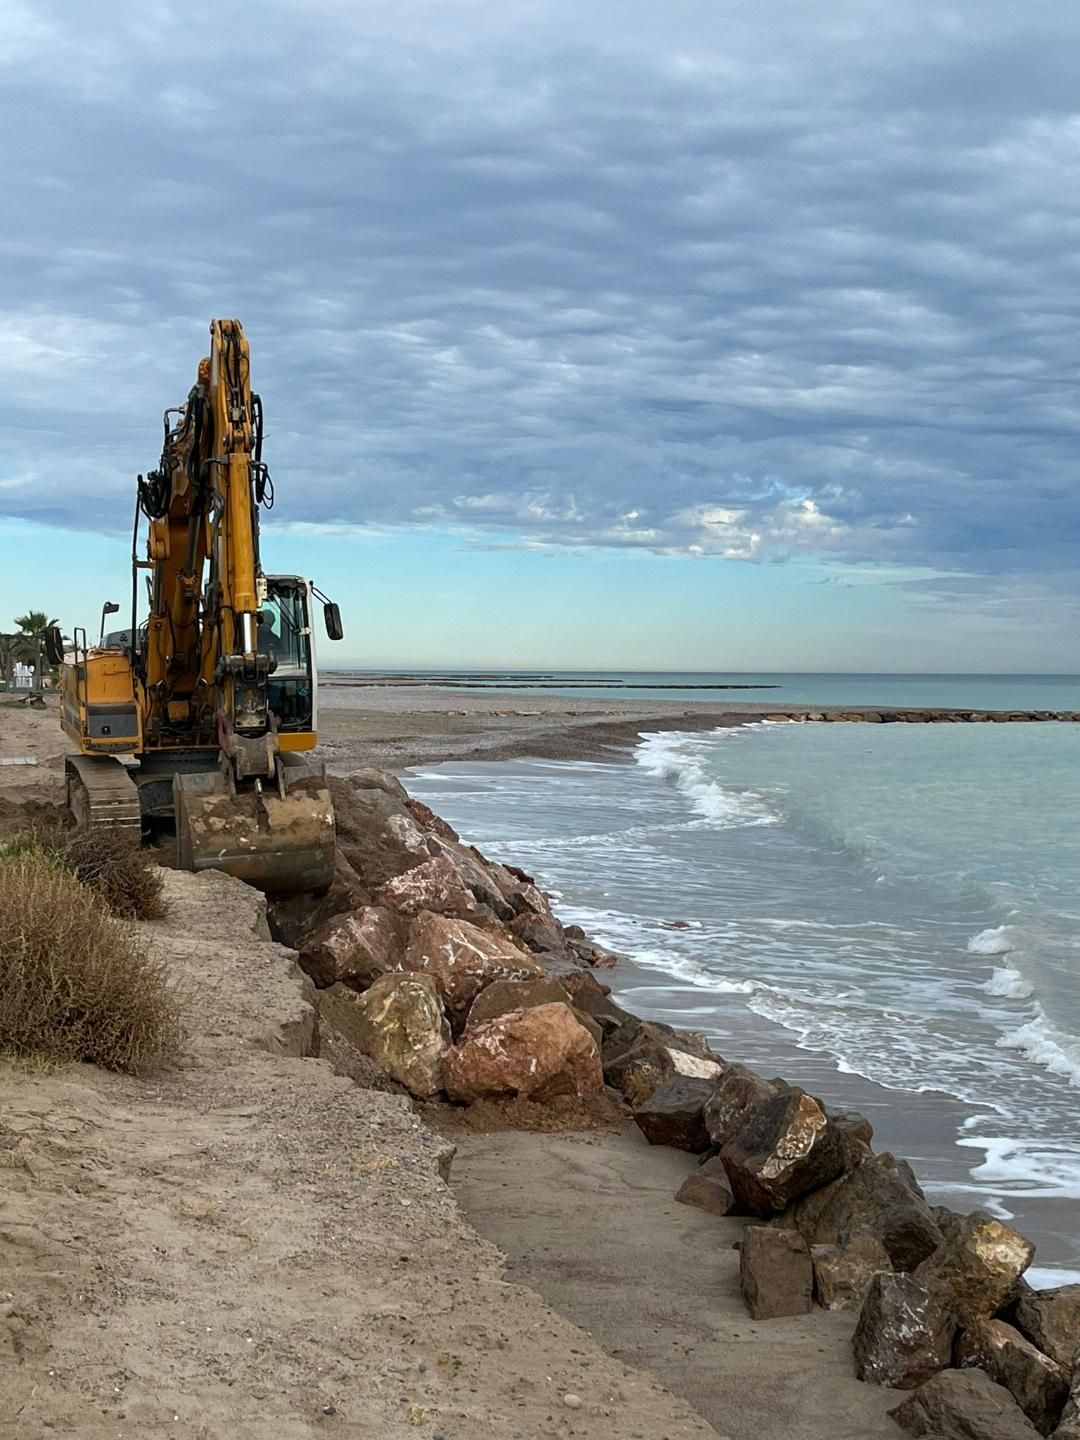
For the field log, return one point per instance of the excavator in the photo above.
(201, 714)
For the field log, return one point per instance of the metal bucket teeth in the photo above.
(279, 845)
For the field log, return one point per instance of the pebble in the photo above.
(571, 1401)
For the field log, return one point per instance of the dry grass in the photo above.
(112, 863)
(76, 983)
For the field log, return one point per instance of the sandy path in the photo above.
(591, 1222)
(254, 1248)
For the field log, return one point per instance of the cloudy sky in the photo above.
(698, 335)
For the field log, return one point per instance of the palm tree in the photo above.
(26, 647)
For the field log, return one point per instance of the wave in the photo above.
(994, 941)
(1040, 1042)
(671, 757)
(1008, 984)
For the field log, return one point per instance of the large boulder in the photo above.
(293, 917)
(432, 885)
(463, 960)
(873, 1200)
(540, 933)
(540, 1054)
(738, 1090)
(708, 1188)
(785, 1147)
(843, 1273)
(637, 1073)
(503, 996)
(981, 1259)
(1039, 1385)
(1052, 1319)
(375, 831)
(905, 1332)
(506, 995)
(355, 948)
(478, 874)
(399, 1022)
(775, 1273)
(1069, 1428)
(963, 1405)
(672, 1115)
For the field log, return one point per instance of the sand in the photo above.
(255, 1248)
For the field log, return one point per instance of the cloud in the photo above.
(707, 281)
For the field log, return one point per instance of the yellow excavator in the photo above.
(201, 713)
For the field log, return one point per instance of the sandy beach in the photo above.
(586, 1221)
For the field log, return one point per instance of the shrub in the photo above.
(114, 866)
(76, 983)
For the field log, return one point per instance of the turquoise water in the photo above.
(976, 692)
(888, 913)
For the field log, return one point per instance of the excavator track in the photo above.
(101, 793)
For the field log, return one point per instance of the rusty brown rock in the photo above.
(875, 1200)
(539, 1054)
(399, 1022)
(375, 832)
(963, 1405)
(1039, 1385)
(905, 1332)
(775, 1273)
(463, 960)
(637, 1073)
(737, 1091)
(542, 934)
(1052, 1319)
(293, 917)
(506, 995)
(672, 1115)
(434, 885)
(355, 948)
(785, 1147)
(708, 1188)
(981, 1259)
(843, 1273)
(429, 822)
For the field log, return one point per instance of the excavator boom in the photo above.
(214, 693)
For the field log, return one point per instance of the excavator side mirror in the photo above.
(332, 620)
(54, 645)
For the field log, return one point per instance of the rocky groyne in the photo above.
(447, 976)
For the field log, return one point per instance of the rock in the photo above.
(368, 778)
(433, 885)
(843, 1273)
(356, 948)
(785, 1147)
(872, 1200)
(672, 1115)
(429, 822)
(737, 1091)
(981, 1259)
(902, 1170)
(476, 872)
(851, 1123)
(708, 1188)
(1069, 1428)
(963, 1405)
(293, 917)
(596, 956)
(905, 1332)
(375, 831)
(775, 1273)
(695, 1068)
(539, 1053)
(1052, 1319)
(506, 995)
(601, 1007)
(1038, 1384)
(540, 933)
(399, 1022)
(639, 1072)
(463, 960)
(574, 978)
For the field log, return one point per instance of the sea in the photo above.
(886, 914)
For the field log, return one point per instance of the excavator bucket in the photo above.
(283, 844)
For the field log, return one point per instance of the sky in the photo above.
(686, 336)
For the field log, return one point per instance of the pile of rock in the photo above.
(438, 970)
(448, 975)
(943, 1309)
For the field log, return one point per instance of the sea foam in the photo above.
(671, 757)
(1041, 1043)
